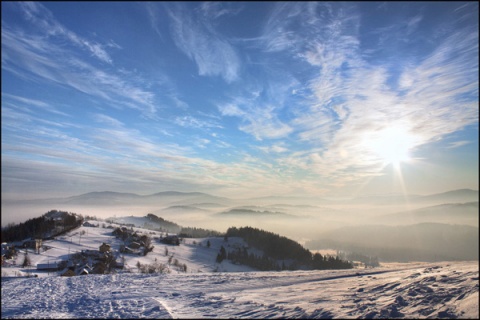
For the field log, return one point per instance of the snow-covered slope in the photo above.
(194, 253)
(440, 290)
(209, 289)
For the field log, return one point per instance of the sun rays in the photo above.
(392, 145)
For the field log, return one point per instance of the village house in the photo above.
(171, 239)
(8, 251)
(88, 224)
(51, 266)
(83, 270)
(34, 244)
(77, 270)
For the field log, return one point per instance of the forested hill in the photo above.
(48, 225)
(273, 245)
(279, 252)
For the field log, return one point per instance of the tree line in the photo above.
(41, 227)
(192, 232)
(279, 252)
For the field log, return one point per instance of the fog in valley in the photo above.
(393, 228)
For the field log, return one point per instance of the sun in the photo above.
(392, 145)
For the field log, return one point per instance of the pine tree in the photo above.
(221, 255)
(26, 261)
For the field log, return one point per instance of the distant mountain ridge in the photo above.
(121, 198)
(103, 196)
(184, 209)
(253, 213)
(451, 213)
(176, 193)
(105, 193)
(191, 198)
(134, 195)
(454, 196)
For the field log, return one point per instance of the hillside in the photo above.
(277, 252)
(150, 221)
(193, 252)
(194, 285)
(48, 225)
(152, 240)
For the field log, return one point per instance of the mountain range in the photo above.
(190, 198)
(451, 213)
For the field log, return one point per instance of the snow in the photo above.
(400, 290)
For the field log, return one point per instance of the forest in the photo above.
(48, 225)
(279, 252)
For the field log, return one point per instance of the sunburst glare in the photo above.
(392, 145)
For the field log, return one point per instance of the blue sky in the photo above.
(239, 99)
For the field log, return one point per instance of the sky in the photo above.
(239, 99)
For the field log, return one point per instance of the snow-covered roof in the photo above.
(45, 266)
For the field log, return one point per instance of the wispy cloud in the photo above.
(35, 103)
(193, 122)
(259, 121)
(214, 10)
(457, 144)
(47, 158)
(195, 35)
(262, 104)
(102, 118)
(445, 87)
(293, 26)
(276, 148)
(43, 18)
(31, 57)
(352, 100)
(154, 18)
(277, 34)
(296, 106)
(399, 31)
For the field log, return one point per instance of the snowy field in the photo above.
(212, 290)
(440, 290)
